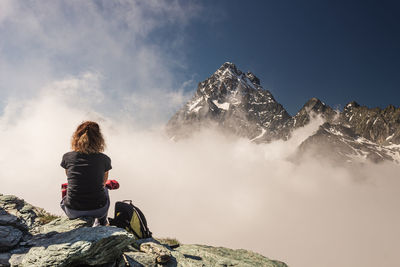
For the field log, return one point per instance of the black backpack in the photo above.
(130, 218)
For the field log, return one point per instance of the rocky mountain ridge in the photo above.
(235, 102)
(29, 236)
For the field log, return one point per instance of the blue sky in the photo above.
(338, 51)
(150, 55)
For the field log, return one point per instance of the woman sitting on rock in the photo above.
(87, 172)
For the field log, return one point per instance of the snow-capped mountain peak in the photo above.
(235, 102)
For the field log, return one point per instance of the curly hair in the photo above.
(87, 138)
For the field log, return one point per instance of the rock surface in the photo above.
(4, 259)
(200, 255)
(61, 242)
(63, 224)
(33, 240)
(87, 245)
(9, 237)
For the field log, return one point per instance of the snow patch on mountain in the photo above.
(224, 106)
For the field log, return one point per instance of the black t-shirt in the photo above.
(85, 174)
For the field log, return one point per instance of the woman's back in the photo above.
(85, 174)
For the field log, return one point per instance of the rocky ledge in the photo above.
(29, 236)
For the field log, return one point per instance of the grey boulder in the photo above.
(9, 237)
(63, 224)
(92, 246)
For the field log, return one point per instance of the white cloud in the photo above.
(49, 41)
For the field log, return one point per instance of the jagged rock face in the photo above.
(342, 144)
(356, 135)
(19, 213)
(233, 101)
(312, 108)
(377, 125)
(27, 240)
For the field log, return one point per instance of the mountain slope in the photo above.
(377, 125)
(236, 103)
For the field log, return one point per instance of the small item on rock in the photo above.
(163, 255)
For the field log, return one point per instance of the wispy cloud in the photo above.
(46, 41)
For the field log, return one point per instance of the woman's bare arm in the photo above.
(105, 178)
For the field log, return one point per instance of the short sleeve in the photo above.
(107, 164)
(63, 162)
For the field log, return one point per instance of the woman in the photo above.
(87, 172)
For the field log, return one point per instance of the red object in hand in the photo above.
(64, 189)
(112, 184)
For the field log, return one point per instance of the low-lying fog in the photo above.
(211, 189)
